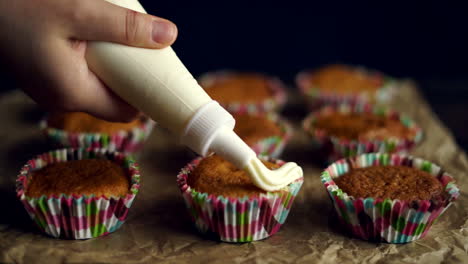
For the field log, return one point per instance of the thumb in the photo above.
(100, 20)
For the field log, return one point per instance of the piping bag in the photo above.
(156, 82)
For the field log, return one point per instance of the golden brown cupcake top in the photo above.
(253, 128)
(393, 182)
(240, 87)
(80, 177)
(216, 176)
(362, 126)
(78, 122)
(343, 79)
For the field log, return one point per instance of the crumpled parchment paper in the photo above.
(158, 229)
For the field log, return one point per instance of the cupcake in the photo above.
(81, 130)
(222, 200)
(244, 92)
(388, 197)
(339, 83)
(266, 134)
(346, 130)
(78, 193)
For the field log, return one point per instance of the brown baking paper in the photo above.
(158, 229)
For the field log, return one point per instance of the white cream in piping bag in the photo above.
(156, 82)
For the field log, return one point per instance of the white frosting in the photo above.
(273, 180)
(156, 82)
(231, 147)
(211, 130)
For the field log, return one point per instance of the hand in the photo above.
(45, 43)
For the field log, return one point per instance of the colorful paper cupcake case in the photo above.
(275, 103)
(336, 148)
(125, 141)
(77, 216)
(317, 97)
(392, 221)
(274, 146)
(237, 219)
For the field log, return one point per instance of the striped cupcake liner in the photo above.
(317, 98)
(335, 148)
(273, 146)
(125, 141)
(275, 103)
(392, 221)
(237, 219)
(77, 216)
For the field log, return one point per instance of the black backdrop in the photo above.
(424, 40)
(407, 39)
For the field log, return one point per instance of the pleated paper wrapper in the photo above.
(273, 146)
(335, 148)
(387, 220)
(77, 216)
(316, 97)
(129, 141)
(271, 104)
(237, 219)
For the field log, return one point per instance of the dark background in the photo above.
(426, 41)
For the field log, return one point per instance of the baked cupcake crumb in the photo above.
(253, 128)
(392, 182)
(216, 176)
(362, 126)
(79, 122)
(80, 177)
(339, 78)
(240, 87)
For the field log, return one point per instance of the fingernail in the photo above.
(163, 32)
